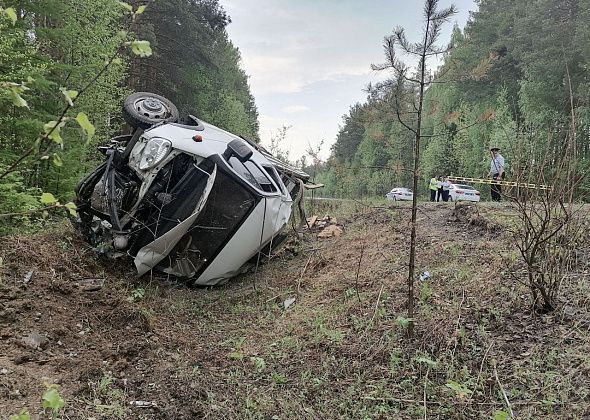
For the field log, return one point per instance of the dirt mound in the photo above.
(469, 214)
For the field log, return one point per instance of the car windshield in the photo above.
(465, 187)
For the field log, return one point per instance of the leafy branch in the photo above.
(52, 129)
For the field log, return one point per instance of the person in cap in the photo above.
(496, 172)
(432, 186)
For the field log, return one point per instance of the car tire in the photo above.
(145, 109)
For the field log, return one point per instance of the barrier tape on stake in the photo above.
(496, 182)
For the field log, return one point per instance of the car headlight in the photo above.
(154, 152)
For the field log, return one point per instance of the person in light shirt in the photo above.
(496, 172)
(446, 186)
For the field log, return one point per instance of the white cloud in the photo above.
(294, 109)
(317, 53)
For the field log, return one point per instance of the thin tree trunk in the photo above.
(411, 270)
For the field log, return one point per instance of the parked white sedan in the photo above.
(462, 192)
(398, 194)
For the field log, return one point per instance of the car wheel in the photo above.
(144, 109)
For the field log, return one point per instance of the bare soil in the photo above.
(153, 348)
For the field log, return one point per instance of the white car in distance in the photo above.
(462, 192)
(400, 194)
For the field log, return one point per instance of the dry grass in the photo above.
(338, 352)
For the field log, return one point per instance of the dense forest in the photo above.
(51, 49)
(518, 69)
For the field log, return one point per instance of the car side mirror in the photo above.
(238, 149)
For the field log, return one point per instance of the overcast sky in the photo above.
(309, 60)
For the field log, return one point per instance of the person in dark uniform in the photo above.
(496, 173)
(439, 189)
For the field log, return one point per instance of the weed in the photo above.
(453, 249)
(136, 294)
(258, 363)
(349, 293)
(23, 415)
(394, 361)
(146, 315)
(461, 391)
(425, 292)
(278, 379)
(463, 274)
(402, 322)
(109, 399)
(251, 405)
(52, 400)
(236, 348)
(426, 361)
(323, 332)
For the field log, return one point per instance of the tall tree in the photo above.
(413, 104)
(195, 65)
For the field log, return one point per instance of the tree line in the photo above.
(50, 49)
(518, 68)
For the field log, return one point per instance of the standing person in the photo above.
(433, 188)
(439, 189)
(446, 186)
(496, 173)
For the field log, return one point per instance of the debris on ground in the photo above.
(35, 341)
(90, 285)
(288, 302)
(327, 226)
(143, 404)
(28, 277)
(330, 232)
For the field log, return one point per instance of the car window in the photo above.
(252, 173)
(243, 171)
(273, 174)
(465, 187)
(265, 184)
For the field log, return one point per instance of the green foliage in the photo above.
(402, 322)
(500, 415)
(516, 66)
(67, 44)
(85, 125)
(259, 363)
(195, 65)
(140, 48)
(10, 13)
(426, 361)
(109, 399)
(136, 294)
(52, 400)
(23, 415)
(52, 118)
(460, 390)
(279, 379)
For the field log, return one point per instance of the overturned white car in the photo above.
(188, 199)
